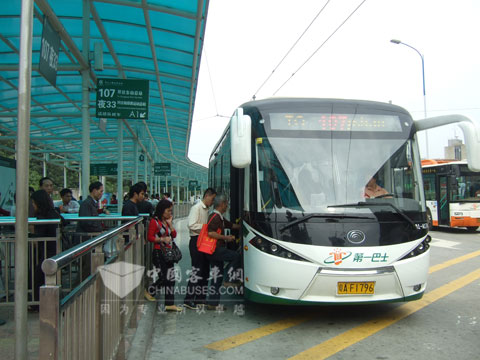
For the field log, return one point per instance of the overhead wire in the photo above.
(308, 59)
(291, 48)
(213, 92)
(211, 117)
(211, 82)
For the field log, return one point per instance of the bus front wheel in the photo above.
(472, 228)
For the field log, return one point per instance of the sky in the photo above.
(246, 40)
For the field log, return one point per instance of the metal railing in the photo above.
(89, 322)
(181, 210)
(37, 251)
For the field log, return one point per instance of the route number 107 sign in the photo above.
(122, 98)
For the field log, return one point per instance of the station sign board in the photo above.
(192, 185)
(122, 98)
(49, 51)
(162, 169)
(103, 169)
(8, 169)
(162, 183)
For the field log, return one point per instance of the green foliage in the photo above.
(55, 172)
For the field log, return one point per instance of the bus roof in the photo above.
(438, 162)
(278, 100)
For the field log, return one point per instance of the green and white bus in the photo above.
(295, 171)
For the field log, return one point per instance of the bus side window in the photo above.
(429, 184)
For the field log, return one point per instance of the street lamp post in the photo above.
(423, 79)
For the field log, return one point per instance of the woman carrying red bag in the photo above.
(161, 232)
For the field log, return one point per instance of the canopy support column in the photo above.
(85, 101)
(80, 183)
(135, 162)
(23, 163)
(65, 175)
(120, 167)
(45, 159)
(145, 176)
(178, 190)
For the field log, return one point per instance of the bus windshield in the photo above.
(313, 175)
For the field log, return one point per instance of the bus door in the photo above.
(443, 205)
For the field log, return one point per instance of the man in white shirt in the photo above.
(68, 205)
(197, 284)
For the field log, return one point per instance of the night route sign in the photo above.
(122, 98)
(192, 185)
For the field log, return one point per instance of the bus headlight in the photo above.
(420, 249)
(274, 249)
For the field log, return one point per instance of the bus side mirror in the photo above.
(471, 132)
(241, 139)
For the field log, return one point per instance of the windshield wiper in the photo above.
(364, 203)
(327, 216)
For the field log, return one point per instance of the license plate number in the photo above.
(356, 288)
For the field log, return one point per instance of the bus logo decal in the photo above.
(356, 236)
(337, 256)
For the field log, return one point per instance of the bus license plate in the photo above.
(355, 288)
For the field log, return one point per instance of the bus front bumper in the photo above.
(402, 281)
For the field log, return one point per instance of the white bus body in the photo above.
(311, 234)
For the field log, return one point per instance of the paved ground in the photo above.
(7, 334)
(443, 325)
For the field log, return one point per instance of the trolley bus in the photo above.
(295, 171)
(452, 193)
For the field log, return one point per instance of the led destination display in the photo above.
(334, 122)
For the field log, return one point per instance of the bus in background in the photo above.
(452, 194)
(296, 171)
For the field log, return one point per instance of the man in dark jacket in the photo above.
(89, 207)
(135, 196)
(144, 206)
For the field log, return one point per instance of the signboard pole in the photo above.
(23, 156)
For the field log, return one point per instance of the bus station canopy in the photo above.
(156, 40)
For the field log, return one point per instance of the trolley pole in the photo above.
(23, 158)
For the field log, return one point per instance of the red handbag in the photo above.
(205, 243)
